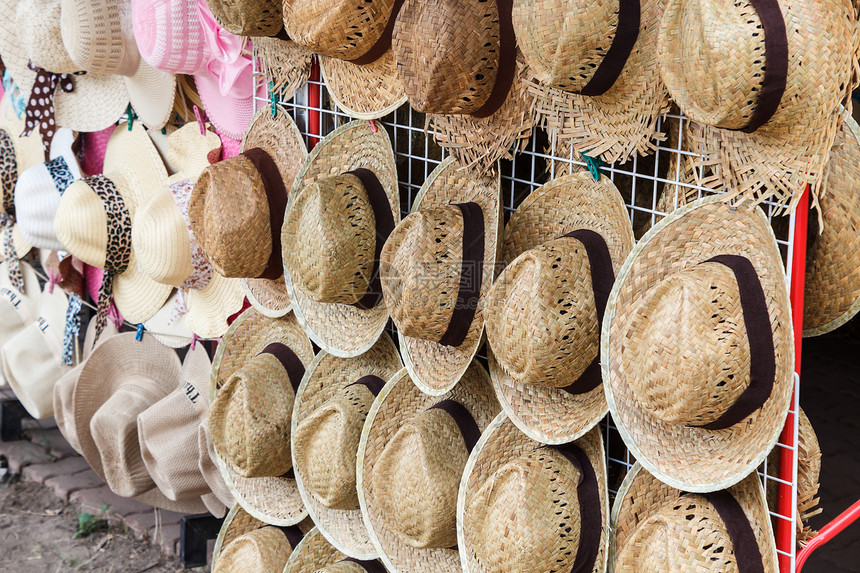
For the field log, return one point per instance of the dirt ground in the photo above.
(37, 535)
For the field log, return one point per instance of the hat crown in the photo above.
(93, 34)
(325, 445)
(417, 477)
(696, 316)
(541, 317)
(81, 224)
(344, 29)
(39, 24)
(331, 236)
(420, 271)
(161, 242)
(169, 35)
(263, 549)
(531, 499)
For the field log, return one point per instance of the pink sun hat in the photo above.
(183, 37)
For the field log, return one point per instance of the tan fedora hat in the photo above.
(765, 83)
(248, 17)
(120, 379)
(410, 460)
(343, 206)
(659, 528)
(95, 218)
(436, 268)
(527, 507)
(316, 555)
(564, 245)
(705, 286)
(254, 450)
(328, 416)
(238, 204)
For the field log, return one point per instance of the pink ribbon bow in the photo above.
(226, 62)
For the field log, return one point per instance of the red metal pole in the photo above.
(315, 104)
(828, 532)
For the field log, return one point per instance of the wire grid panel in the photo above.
(641, 182)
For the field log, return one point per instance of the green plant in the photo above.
(89, 523)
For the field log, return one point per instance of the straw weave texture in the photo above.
(368, 91)
(313, 553)
(263, 549)
(284, 62)
(248, 17)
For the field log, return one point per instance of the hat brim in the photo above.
(370, 91)
(230, 114)
(693, 458)
(210, 307)
(326, 376)
(239, 522)
(436, 368)
(397, 403)
(19, 242)
(28, 150)
(501, 443)
(174, 334)
(151, 93)
(342, 329)
(313, 553)
(275, 500)
(284, 62)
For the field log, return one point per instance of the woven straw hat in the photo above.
(434, 304)
(763, 133)
(706, 286)
(236, 213)
(168, 324)
(258, 446)
(18, 309)
(248, 17)
(316, 555)
(286, 64)
(332, 239)
(527, 507)
(328, 416)
(659, 528)
(27, 150)
(410, 460)
(120, 379)
(832, 290)
(543, 312)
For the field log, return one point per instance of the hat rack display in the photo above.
(431, 250)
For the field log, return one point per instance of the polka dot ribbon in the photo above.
(73, 327)
(40, 106)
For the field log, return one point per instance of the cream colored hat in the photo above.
(527, 507)
(254, 450)
(207, 463)
(328, 416)
(168, 325)
(17, 154)
(316, 555)
(659, 528)
(436, 268)
(27, 150)
(564, 245)
(705, 286)
(17, 309)
(411, 457)
(343, 206)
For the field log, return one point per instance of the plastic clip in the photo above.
(131, 117)
(200, 120)
(194, 338)
(273, 101)
(373, 127)
(594, 164)
(139, 335)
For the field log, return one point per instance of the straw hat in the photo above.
(411, 457)
(329, 413)
(30, 33)
(343, 206)
(120, 379)
(248, 17)
(527, 507)
(168, 324)
(316, 555)
(832, 291)
(27, 150)
(706, 286)
(259, 448)
(286, 64)
(658, 528)
(428, 275)
(237, 209)
(763, 133)
(565, 243)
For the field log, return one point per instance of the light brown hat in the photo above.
(316, 555)
(237, 208)
(411, 457)
(765, 83)
(248, 17)
(706, 286)
(564, 245)
(329, 413)
(254, 450)
(527, 507)
(343, 206)
(436, 268)
(286, 64)
(659, 528)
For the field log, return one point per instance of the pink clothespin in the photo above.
(372, 125)
(193, 341)
(53, 279)
(200, 122)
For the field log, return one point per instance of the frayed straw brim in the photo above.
(641, 494)
(436, 368)
(313, 553)
(342, 329)
(370, 91)
(239, 522)
(501, 443)
(398, 402)
(275, 500)
(325, 377)
(545, 414)
(690, 458)
(286, 64)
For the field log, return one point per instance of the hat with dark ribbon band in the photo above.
(40, 107)
(293, 534)
(464, 420)
(276, 195)
(383, 44)
(288, 359)
(507, 62)
(369, 566)
(626, 34)
(371, 382)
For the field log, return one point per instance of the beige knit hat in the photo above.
(659, 528)
(765, 81)
(410, 460)
(706, 286)
(254, 450)
(436, 267)
(316, 555)
(564, 245)
(328, 416)
(237, 208)
(248, 17)
(531, 508)
(343, 206)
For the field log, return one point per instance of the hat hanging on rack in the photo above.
(316, 554)
(13, 244)
(18, 308)
(248, 17)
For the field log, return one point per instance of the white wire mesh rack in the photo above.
(640, 181)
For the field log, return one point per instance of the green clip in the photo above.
(163, 131)
(273, 101)
(594, 164)
(131, 117)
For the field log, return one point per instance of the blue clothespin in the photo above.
(139, 335)
(273, 101)
(594, 164)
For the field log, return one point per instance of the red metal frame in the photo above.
(828, 532)
(315, 104)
